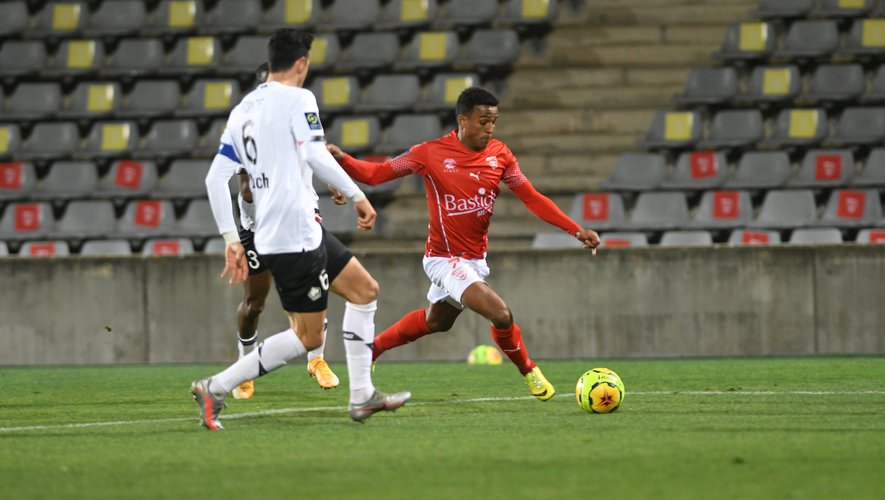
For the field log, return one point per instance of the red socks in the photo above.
(410, 328)
(510, 341)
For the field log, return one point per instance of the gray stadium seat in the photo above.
(463, 14)
(749, 41)
(698, 170)
(355, 134)
(68, 179)
(522, 12)
(852, 208)
(336, 93)
(842, 8)
(735, 128)
(10, 140)
(836, 83)
(184, 179)
(429, 49)
(350, 15)
(772, 84)
(760, 170)
(111, 138)
(723, 209)
(197, 221)
(146, 218)
(442, 95)
(17, 181)
(296, 14)
(232, 16)
(13, 18)
(173, 246)
(57, 19)
(215, 246)
(339, 219)
(817, 236)
(865, 38)
(558, 240)
(406, 14)
(410, 129)
(51, 140)
(491, 48)
(33, 101)
(871, 236)
(169, 138)
(44, 249)
(93, 100)
(860, 126)
(779, 9)
(656, 211)
(194, 54)
(135, 57)
(873, 173)
(76, 57)
(637, 172)
(673, 129)
(211, 138)
(22, 57)
(370, 51)
(128, 178)
(393, 92)
(686, 239)
(324, 51)
(798, 128)
(810, 38)
(824, 168)
(26, 221)
(86, 219)
(786, 209)
(598, 211)
(743, 237)
(106, 248)
(151, 98)
(118, 17)
(709, 86)
(175, 17)
(4, 250)
(876, 92)
(245, 55)
(210, 97)
(623, 240)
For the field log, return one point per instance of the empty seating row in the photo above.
(153, 246)
(787, 9)
(819, 168)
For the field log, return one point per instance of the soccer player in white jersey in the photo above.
(276, 133)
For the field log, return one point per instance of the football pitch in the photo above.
(691, 428)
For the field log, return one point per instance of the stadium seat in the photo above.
(873, 173)
(782, 9)
(175, 246)
(522, 12)
(810, 38)
(852, 208)
(44, 249)
(390, 92)
(798, 128)
(723, 209)
(336, 93)
(623, 240)
(175, 17)
(215, 246)
(86, 219)
(370, 51)
(444, 91)
(128, 178)
(750, 41)
(67, 180)
(337, 219)
(134, 57)
(295, 14)
(194, 54)
(26, 221)
(355, 134)
(876, 92)
(76, 57)
(410, 129)
(686, 239)
(324, 51)
(637, 172)
(14, 18)
(673, 130)
(599, 211)
(836, 83)
(93, 100)
(709, 87)
(151, 98)
(464, 14)
(4, 250)
(210, 97)
(734, 128)
(232, 16)
(109, 139)
(429, 49)
(698, 170)
(743, 237)
(106, 248)
(406, 14)
(10, 140)
(118, 17)
(169, 138)
(146, 218)
(17, 181)
(491, 48)
(760, 170)
(211, 138)
(824, 168)
(786, 209)
(816, 236)
(350, 15)
(771, 84)
(860, 126)
(656, 211)
(558, 240)
(866, 38)
(33, 101)
(245, 55)
(60, 19)
(871, 236)
(49, 140)
(197, 221)
(22, 57)
(844, 8)
(184, 179)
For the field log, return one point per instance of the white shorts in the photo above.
(449, 277)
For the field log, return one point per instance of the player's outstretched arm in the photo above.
(546, 210)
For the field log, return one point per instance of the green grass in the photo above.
(687, 429)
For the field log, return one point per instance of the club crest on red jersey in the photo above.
(449, 165)
(492, 161)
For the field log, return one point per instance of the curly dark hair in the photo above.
(287, 46)
(472, 97)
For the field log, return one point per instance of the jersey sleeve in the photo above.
(540, 205)
(305, 120)
(413, 161)
(226, 147)
(220, 172)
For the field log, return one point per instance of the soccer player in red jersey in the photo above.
(462, 172)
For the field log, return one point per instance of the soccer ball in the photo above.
(484, 355)
(600, 390)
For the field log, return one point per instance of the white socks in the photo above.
(359, 332)
(270, 355)
(318, 352)
(245, 346)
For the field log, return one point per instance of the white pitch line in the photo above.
(281, 411)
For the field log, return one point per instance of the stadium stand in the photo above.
(820, 236)
(175, 246)
(54, 248)
(106, 248)
(17, 180)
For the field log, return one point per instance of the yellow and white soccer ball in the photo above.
(600, 390)
(484, 355)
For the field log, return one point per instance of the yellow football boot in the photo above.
(319, 369)
(538, 384)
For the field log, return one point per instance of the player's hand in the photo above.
(589, 238)
(336, 152)
(365, 214)
(235, 263)
(337, 196)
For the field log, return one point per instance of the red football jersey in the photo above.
(461, 186)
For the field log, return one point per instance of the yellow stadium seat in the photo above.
(535, 9)
(100, 98)
(298, 11)
(217, 95)
(776, 81)
(355, 133)
(432, 46)
(4, 140)
(200, 50)
(81, 54)
(336, 91)
(318, 50)
(803, 123)
(753, 37)
(65, 17)
(182, 13)
(413, 10)
(115, 137)
(678, 126)
(874, 33)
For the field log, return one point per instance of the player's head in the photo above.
(288, 51)
(477, 112)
